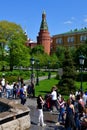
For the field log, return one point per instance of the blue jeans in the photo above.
(8, 92)
(61, 115)
(77, 121)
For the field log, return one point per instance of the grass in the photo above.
(46, 85)
(84, 85)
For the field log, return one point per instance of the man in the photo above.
(54, 98)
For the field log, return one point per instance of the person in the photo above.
(72, 97)
(84, 98)
(33, 88)
(25, 89)
(40, 103)
(3, 84)
(0, 90)
(14, 90)
(22, 95)
(61, 103)
(69, 121)
(77, 115)
(8, 89)
(84, 120)
(54, 101)
(18, 91)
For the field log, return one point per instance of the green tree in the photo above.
(39, 49)
(60, 53)
(82, 49)
(69, 74)
(12, 41)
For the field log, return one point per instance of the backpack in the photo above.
(78, 107)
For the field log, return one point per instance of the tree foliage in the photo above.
(12, 44)
(69, 73)
(82, 49)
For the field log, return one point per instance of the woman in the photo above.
(40, 103)
(61, 103)
(69, 122)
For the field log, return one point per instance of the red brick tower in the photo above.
(43, 37)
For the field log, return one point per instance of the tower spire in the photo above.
(43, 37)
(44, 25)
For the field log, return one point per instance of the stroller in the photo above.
(47, 105)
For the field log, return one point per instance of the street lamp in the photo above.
(49, 72)
(81, 61)
(37, 69)
(32, 60)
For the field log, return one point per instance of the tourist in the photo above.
(14, 90)
(33, 88)
(85, 98)
(40, 103)
(0, 90)
(8, 89)
(25, 89)
(22, 95)
(69, 121)
(3, 84)
(61, 103)
(54, 101)
(77, 114)
(72, 97)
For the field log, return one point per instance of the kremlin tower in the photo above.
(43, 37)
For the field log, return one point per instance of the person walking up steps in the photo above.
(40, 103)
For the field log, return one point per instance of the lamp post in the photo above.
(37, 69)
(49, 72)
(32, 60)
(81, 61)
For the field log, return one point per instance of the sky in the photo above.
(61, 15)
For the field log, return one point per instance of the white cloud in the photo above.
(68, 22)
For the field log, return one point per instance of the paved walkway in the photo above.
(49, 118)
(40, 78)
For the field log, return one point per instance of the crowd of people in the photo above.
(17, 89)
(72, 112)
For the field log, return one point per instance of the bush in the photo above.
(11, 79)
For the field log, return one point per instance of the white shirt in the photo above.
(84, 98)
(25, 88)
(54, 95)
(8, 86)
(3, 82)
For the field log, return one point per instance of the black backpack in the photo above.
(78, 107)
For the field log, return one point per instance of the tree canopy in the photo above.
(12, 44)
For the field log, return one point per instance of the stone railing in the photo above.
(13, 116)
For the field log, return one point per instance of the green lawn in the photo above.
(84, 85)
(46, 85)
